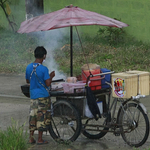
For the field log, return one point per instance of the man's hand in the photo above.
(27, 81)
(48, 81)
(52, 74)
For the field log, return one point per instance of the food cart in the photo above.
(70, 115)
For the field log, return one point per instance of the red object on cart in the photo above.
(95, 82)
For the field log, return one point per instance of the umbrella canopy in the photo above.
(67, 17)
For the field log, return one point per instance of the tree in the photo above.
(7, 11)
(34, 8)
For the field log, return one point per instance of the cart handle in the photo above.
(102, 74)
(58, 80)
(93, 76)
(88, 78)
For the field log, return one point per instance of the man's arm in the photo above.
(48, 81)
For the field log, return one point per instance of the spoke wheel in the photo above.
(134, 125)
(66, 122)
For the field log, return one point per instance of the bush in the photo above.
(111, 35)
(13, 138)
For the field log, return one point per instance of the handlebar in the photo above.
(137, 97)
(91, 75)
(58, 80)
(102, 74)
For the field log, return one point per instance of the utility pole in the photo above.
(34, 8)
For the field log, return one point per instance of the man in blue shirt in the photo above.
(39, 78)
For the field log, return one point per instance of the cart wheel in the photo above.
(66, 122)
(135, 125)
(96, 129)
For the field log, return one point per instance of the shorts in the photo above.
(39, 117)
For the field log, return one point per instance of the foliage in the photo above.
(16, 51)
(7, 11)
(122, 58)
(13, 138)
(112, 36)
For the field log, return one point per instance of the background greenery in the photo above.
(133, 12)
(130, 52)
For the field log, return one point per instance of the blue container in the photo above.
(106, 79)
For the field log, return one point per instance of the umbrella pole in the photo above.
(71, 57)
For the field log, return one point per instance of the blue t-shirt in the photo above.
(36, 89)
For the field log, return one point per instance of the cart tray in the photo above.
(25, 90)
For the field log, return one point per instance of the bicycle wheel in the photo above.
(96, 129)
(66, 122)
(134, 125)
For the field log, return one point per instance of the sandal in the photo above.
(44, 142)
(32, 142)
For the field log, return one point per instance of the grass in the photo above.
(117, 58)
(16, 53)
(13, 138)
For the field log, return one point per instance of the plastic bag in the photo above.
(87, 111)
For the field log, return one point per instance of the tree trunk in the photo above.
(34, 8)
(2, 4)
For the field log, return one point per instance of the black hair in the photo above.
(39, 52)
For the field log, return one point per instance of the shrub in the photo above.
(13, 138)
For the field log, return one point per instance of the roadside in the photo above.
(13, 104)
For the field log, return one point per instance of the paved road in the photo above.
(14, 104)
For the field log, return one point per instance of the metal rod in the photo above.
(102, 74)
(71, 56)
(58, 80)
(83, 50)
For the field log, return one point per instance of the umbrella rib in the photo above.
(83, 49)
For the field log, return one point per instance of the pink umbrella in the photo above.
(68, 16)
